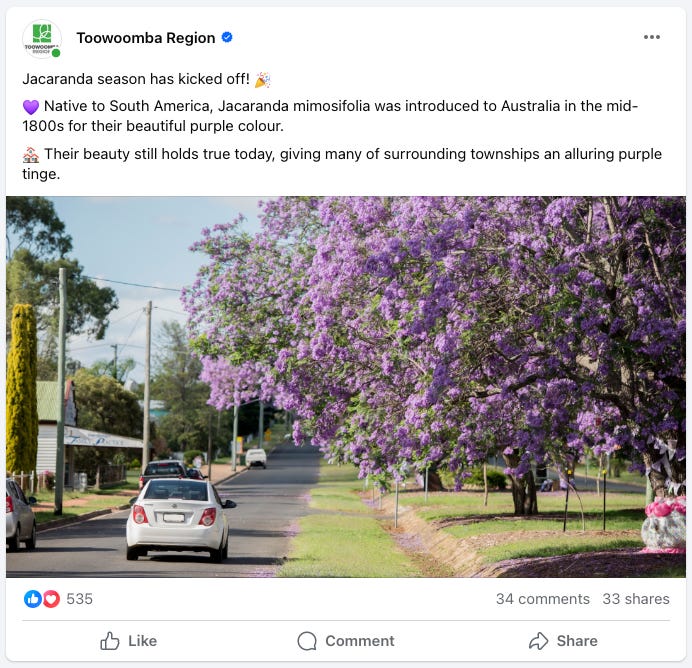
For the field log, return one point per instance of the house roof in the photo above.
(47, 400)
(47, 397)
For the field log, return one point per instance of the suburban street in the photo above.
(269, 501)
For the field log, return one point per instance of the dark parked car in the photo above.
(20, 523)
(165, 468)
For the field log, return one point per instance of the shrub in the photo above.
(189, 456)
(496, 479)
(135, 464)
(118, 459)
(49, 480)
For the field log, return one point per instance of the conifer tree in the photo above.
(21, 405)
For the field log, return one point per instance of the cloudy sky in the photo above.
(142, 240)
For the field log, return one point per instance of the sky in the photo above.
(142, 240)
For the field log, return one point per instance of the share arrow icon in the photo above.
(539, 641)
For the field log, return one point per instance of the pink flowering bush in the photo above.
(664, 506)
(665, 525)
(49, 480)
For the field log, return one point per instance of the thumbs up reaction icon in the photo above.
(110, 642)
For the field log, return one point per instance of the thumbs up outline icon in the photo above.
(110, 642)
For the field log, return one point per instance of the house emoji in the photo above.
(30, 155)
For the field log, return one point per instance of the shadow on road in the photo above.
(43, 547)
(257, 533)
(107, 528)
(254, 561)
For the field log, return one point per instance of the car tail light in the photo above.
(141, 481)
(139, 515)
(208, 517)
(9, 506)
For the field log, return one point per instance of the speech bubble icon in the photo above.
(307, 641)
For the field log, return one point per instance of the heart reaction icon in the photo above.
(51, 598)
(31, 106)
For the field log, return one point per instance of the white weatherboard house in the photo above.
(47, 398)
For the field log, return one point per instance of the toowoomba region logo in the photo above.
(42, 39)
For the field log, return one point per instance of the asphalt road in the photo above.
(269, 503)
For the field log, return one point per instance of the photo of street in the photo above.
(350, 387)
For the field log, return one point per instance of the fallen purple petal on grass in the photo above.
(292, 530)
(263, 573)
(410, 541)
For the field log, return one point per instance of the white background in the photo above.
(370, 53)
(261, 619)
(328, 54)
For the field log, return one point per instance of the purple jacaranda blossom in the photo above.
(415, 331)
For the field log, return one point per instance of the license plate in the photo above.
(173, 517)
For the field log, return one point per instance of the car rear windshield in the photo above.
(189, 490)
(163, 468)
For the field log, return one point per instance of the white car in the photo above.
(20, 523)
(181, 515)
(256, 457)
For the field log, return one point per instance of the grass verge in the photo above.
(338, 491)
(470, 504)
(340, 546)
(87, 504)
(77, 503)
(554, 546)
(618, 520)
(345, 540)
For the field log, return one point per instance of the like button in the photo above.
(110, 642)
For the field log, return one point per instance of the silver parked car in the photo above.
(180, 515)
(20, 523)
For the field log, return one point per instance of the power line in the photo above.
(95, 345)
(133, 329)
(105, 345)
(168, 310)
(136, 285)
(115, 322)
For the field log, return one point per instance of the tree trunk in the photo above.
(485, 483)
(434, 481)
(658, 478)
(523, 489)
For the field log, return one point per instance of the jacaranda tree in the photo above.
(411, 332)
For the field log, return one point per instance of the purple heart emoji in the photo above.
(30, 106)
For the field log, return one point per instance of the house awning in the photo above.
(75, 436)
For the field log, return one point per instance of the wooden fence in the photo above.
(32, 482)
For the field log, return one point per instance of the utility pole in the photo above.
(115, 360)
(261, 424)
(147, 360)
(234, 442)
(60, 450)
(209, 449)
